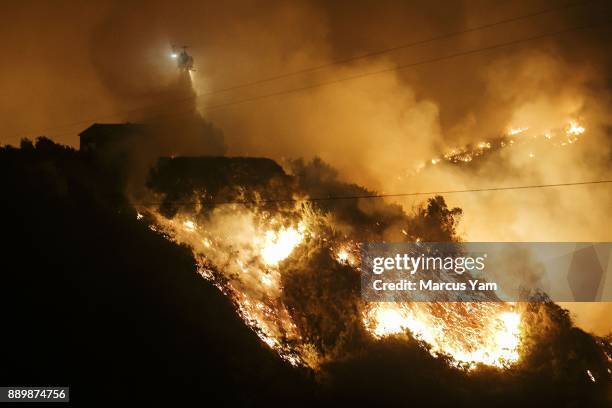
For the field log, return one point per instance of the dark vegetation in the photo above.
(91, 298)
(95, 300)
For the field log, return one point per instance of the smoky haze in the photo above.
(69, 61)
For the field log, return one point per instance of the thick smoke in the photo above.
(147, 77)
(375, 130)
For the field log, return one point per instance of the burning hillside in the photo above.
(291, 266)
(286, 268)
(516, 137)
(173, 250)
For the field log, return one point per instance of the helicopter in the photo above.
(184, 61)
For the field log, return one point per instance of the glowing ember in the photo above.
(189, 225)
(346, 253)
(575, 129)
(342, 256)
(516, 131)
(590, 375)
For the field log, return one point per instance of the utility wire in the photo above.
(369, 196)
(366, 74)
(381, 71)
(327, 65)
(405, 66)
(397, 48)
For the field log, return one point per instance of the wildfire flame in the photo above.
(241, 251)
(575, 129)
(513, 131)
(470, 333)
(278, 245)
(558, 137)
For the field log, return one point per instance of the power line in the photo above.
(386, 70)
(327, 65)
(370, 196)
(371, 73)
(396, 48)
(405, 66)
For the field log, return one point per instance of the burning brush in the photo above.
(559, 137)
(292, 267)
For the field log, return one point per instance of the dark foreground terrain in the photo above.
(94, 300)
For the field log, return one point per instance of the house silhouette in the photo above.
(111, 138)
